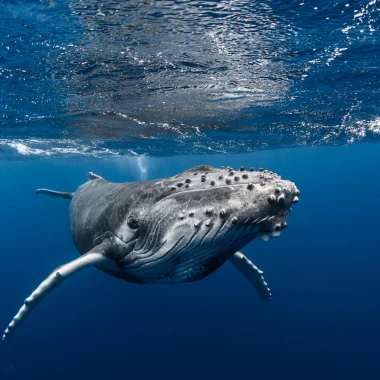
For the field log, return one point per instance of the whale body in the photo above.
(171, 230)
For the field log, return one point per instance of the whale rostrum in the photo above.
(171, 230)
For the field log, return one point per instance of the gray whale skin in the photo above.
(171, 230)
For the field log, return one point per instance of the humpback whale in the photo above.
(171, 230)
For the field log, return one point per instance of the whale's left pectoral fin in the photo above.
(253, 274)
(93, 257)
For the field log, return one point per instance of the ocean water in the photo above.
(139, 90)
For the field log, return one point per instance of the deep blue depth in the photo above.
(323, 321)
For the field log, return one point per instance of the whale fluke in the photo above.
(94, 257)
(253, 274)
(53, 193)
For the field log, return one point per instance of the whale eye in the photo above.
(132, 222)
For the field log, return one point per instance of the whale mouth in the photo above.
(265, 236)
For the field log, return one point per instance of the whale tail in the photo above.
(53, 193)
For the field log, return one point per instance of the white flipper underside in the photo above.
(54, 279)
(253, 274)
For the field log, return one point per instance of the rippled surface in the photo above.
(168, 77)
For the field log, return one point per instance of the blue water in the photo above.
(323, 321)
(140, 90)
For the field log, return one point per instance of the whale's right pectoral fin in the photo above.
(93, 257)
(253, 274)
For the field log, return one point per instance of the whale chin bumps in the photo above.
(171, 230)
(265, 237)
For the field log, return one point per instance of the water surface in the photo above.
(175, 77)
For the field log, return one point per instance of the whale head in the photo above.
(203, 216)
